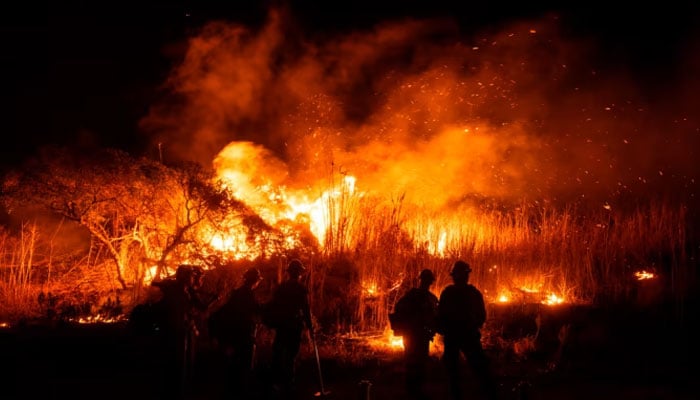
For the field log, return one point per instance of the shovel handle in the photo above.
(318, 363)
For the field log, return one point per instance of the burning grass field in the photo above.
(370, 156)
(582, 303)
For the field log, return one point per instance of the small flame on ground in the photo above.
(99, 319)
(552, 299)
(644, 275)
(385, 341)
(528, 294)
(388, 342)
(396, 342)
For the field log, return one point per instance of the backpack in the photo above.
(401, 319)
(414, 314)
(398, 323)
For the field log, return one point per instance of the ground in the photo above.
(631, 355)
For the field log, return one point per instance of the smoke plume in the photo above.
(415, 107)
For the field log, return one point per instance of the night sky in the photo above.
(86, 72)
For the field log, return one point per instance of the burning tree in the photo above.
(141, 217)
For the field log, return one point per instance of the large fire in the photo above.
(453, 151)
(248, 170)
(240, 167)
(384, 152)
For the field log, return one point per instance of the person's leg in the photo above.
(482, 368)
(189, 361)
(418, 362)
(245, 366)
(411, 364)
(285, 347)
(293, 347)
(174, 366)
(278, 356)
(228, 354)
(239, 376)
(450, 358)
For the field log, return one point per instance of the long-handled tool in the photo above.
(323, 392)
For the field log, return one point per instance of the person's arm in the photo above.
(306, 308)
(481, 310)
(197, 301)
(433, 318)
(440, 319)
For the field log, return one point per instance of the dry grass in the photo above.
(578, 253)
(17, 293)
(375, 249)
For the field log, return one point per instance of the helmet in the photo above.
(426, 275)
(187, 274)
(252, 275)
(295, 268)
(184, 273)
(460, 268)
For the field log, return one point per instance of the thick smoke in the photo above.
(416, 108)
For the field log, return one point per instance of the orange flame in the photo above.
(396, 342)
(531, 288)
(100, 319)
(644, 275)
(256, 177)
(370, 289)
(552, 299)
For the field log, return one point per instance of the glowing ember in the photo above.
(503, 299)
(644, 275)
(4, 325)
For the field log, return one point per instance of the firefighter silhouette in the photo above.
(234, 327)
(415, 318)
(182, 307)
(461, 315)
(288, 313)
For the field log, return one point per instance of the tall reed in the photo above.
(17, 294)
(579, 253)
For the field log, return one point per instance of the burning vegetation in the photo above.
(370, 156)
